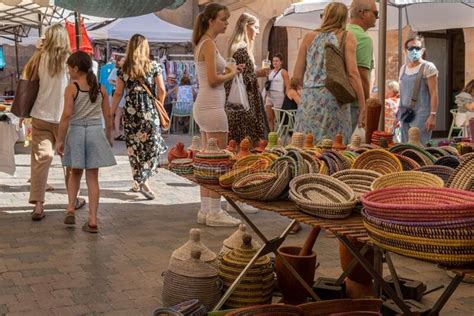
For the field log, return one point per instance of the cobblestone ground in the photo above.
(48, 269)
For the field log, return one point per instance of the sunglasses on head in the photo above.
(412, 48)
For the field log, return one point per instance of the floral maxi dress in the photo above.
(141, 124)
(319, 112)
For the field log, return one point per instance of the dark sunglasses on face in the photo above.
(414, 48)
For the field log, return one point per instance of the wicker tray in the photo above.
(408, 179)
(322, 196)
(378, 160)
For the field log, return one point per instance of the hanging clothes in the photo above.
(86, 45)
(104, 74)
(3, 61)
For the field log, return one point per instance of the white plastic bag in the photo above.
(238, 93)
(361, 132)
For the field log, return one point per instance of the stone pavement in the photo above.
(48, 269)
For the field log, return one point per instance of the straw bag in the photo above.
(336, 81)
(160, 108)
(27, 91)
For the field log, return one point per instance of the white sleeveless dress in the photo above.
(208, 110)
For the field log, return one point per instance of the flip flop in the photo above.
(80, 203)
(38, 216)
(149, 195)
(90, 229)
(69, 218)
(49, 188)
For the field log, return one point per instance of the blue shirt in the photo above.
(104, 77)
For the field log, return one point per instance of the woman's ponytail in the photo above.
(199, 28)
(93, 85)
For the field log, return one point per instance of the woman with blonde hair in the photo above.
(208, 110)
(50, 62)
(141, 123)
(251, 123)
(319, 112)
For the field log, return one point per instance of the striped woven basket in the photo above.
(181, 166)
(399, 148)
(441, 171)
(437, 152)
(448, 161)
(322, 196)
(378, 160)
(408, 179)
(451, 150)
(359, 180)
(407, 163)
(463, 176)
(420, 205)
(284, 168)
(335, 161)
(254, 186)
(418, 156)
(448, 246)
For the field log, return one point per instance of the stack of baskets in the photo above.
(181, 166)
(434, 224)
(322, 196)
(211, 163)
(377, 135)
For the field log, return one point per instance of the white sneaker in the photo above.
(201, 217)
(247, 209)
(222, 219)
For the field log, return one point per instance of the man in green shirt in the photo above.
(363, 15)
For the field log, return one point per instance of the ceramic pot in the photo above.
(177, 152)
(293, 292)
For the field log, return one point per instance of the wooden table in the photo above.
(343, 229)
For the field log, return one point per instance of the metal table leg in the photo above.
(269, 246)
(446, 294)
(374, 274)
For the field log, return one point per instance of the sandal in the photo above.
(80, 203)
(120, 137)
(90, 229)
(135, 187)
(69, 218)
(38, 216)
(149, 195)
(49, 188)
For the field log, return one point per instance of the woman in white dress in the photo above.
(280, 82)
(208, 109)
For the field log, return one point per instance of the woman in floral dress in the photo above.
(141, 121)
(320, 113)
(252, 123)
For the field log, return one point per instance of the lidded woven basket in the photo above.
(257, 286)
(235, 240)
(183, 253)
(211, 163)
(191, 279)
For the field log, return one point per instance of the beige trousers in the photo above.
(42, 152)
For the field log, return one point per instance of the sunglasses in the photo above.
(412, 48)
(375, 12)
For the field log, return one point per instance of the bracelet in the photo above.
(433, 113)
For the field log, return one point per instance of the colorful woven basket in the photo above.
(335, 161)
(322, 196)
(239, 171)
(463, 176)
(418, 156)
(451, 246)
(181, 166)
(257, 285)
(407, 163)
(448, 161)
(407, 179)
(420, 205)
(441, 171)
(359, 180)
(211, 163)
(254, 186)
(399, 148)
(378, 160)
(451, 150)
(437, 152)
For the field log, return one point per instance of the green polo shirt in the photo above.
(365, 47)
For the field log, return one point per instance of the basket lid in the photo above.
(184, 252)
(244, 253)
(235, 240)
(193, 266)
(195, 144)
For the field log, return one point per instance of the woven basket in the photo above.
(463, 176)
(359, 180)
(257, 285)
(181, 166)
(441, 171)
(418, 156)
(420, 205)
(322, 196)
(211, 163)
(254, 186)
(437, 152)
(408, 179)
(335, 161)
(235, 240)
(448, 161)
(449, 246)
(268, 310)
(399, 148)
(451, 150)
(407, 163)
(237, 172)
(378, 160)
(183, 253)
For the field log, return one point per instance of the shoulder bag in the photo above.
(268, 83)
(26, 92)
(337, 81)
(406, 114)
(164, 118)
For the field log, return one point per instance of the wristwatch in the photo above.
(433, 113)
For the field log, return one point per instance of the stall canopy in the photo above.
(149, 25)
(118, 8)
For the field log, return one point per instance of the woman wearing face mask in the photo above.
(251, 123)
(426, 106)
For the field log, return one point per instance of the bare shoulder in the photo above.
(70, 89)
(308, 38)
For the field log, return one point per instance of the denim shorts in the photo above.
(86, 146)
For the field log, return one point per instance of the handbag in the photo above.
(336, 80)
(160, 108)
(268, 83)
(406, 114)
(27, 92)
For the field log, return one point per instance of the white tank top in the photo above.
(277, 81)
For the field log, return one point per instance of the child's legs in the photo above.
(73, 184)
(92, 179)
